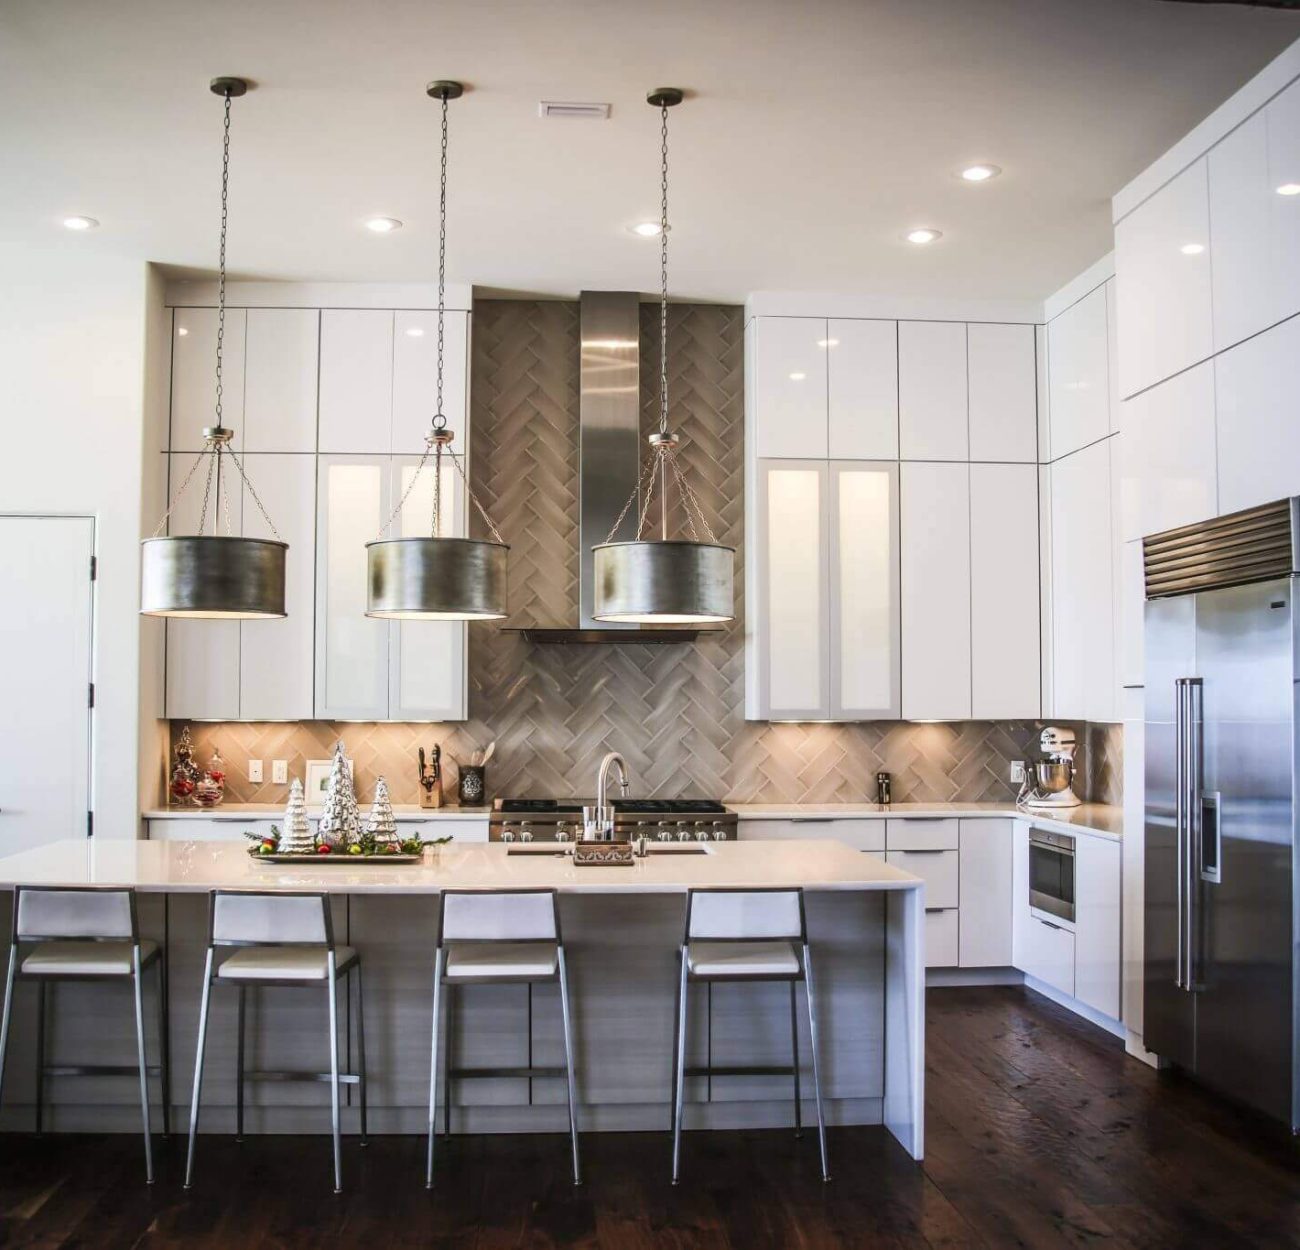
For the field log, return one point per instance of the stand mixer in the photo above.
(1049, 782)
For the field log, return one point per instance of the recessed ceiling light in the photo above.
(80, 223)
(383, 225)
(646, 229)
(181, 331)
(980, 173)
(1289, 188)
(415, 332)
(1192, 249)
(797, 377)
(923, 235)
(828, 342)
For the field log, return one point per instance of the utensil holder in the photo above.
(471, 786)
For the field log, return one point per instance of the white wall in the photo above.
(72, 356)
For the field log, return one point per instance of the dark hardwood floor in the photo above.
(1040, 1132)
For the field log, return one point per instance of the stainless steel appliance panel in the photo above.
(1051, 873)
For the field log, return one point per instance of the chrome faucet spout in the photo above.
(611, 761)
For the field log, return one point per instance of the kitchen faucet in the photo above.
(603, 814)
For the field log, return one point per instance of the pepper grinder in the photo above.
(883, 796)
(431, 778)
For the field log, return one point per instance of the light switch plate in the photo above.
(255, 770)
(280, 771)
(1017, 771)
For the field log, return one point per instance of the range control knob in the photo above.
(683, 834)
(507, 835)
(525, 834)
(665, 836)
(719, 833)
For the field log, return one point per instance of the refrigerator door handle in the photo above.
(1194, 736)
(1180, 821)
(1211, 837)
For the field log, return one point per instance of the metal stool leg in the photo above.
(361, 1049)
(334, 1073)
(794, 1048)
(4, 1021)
(568, 1063)
(137, 984)
(40, 1056)
(164, 1046)
(448, 1058)
(239, 1065)
(812, 1040)
(680, 1092)
(433, 1067)
(198, 1069)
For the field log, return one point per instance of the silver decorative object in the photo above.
(664, 581)
(438, 578)
(215, 576)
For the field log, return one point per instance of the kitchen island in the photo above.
(622, 929)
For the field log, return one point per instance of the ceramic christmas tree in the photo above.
(340, 822)
(296, 838)
(382, 825)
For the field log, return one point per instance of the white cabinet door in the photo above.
(1097, 924)
(1170, 444)
(1078, 374)
(1048, 954)
(942, 941)
(1256, 385)
(1083, 627)
(1004, 623)
(202, 656)
(194, 387)
(428, 679)
(356, 380)
(936, 591)
(862, 834)
(1003, 393)
(1162, 269)
(940, 870)
(1132, 873)
(415, 378)
(985, 888)
(862, 387)
(932, 393)
(1132, 613)
(790, 387)
(280, 369)
(793, 593)
(351, 649)
(276, 662)
(864, 609)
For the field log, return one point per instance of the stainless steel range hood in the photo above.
(609, 458)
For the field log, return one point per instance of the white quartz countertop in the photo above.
(1105, 819)
(184, 867)
(235, 812)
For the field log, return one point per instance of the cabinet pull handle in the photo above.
(930, 909)
(1049, 924)
(811, 820)
(234, 820)
(921, 850)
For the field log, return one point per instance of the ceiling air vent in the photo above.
(577, 112)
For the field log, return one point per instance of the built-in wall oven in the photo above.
(1051, 873)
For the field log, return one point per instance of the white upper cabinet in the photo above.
(1004, 625)
(276, 668)
(280, 367)
(1255, 231)
(415, 377)
(936, 591)
(932, 393)
(356, 380)
(1258, 427)
(1003, 393)
(1112, 355)
(1169, 453)
(790, 380)
(194, 385)
(862, 389)
(1162, 266)
(1078, 374)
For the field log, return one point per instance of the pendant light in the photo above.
(438, 578)
(216, 575)
(663, 581)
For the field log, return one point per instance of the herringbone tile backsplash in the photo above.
(675, 712)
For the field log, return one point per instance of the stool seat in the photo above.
(500, 959)
(85, 959)
(742, 959)
(285, 963)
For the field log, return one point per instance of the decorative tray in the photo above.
(603, 854)
(314, 857)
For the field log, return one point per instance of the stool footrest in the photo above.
(345, 1078)
(472, 1073)
(762, 1069)
(98, 1069)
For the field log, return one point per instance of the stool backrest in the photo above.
(745, 915)
(84, 912)
(244, 918)
(499, 916)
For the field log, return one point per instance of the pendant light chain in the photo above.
(439, 419)
(663, 270)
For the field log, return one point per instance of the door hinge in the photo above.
(94, 568)
(90, 824)
(92, 694)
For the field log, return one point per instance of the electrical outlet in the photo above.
(255, 770)
(280, 771)
(1017, 772)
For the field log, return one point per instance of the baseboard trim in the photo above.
(1091, 1014)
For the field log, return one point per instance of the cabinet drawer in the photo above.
(470, 829)
(938, 869)
(862, 834)
(1048, 954)
(207, 829)
(941, 937)
(922, 834)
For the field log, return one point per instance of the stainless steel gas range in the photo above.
(660, 820)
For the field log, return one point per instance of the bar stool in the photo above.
(746, 935)
(497, 938)
(285, 941)
(87, 933)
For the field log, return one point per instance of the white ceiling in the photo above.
(817, 131)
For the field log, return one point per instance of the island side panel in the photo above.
(904, 1112)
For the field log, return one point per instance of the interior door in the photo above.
(45, 672)
(1243, 831)
(1169, 1017)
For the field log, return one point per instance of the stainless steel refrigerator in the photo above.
(1221, 774)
